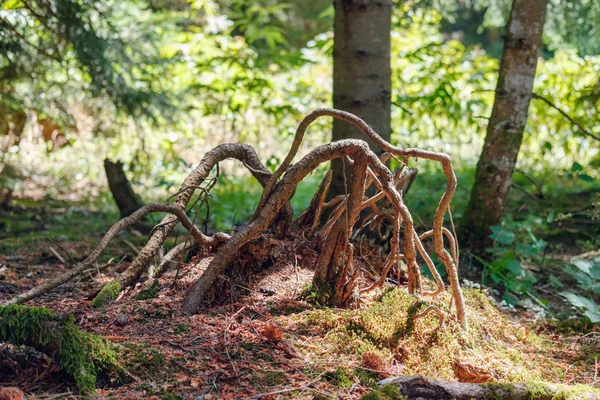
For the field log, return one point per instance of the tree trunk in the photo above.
(126, 199)
(361, 74)
(507, 123)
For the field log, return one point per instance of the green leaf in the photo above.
(593, 316)
(583, 265)
(555, 282)
(515, 267)
(576, 167)
(580, 301)
(512, 300)
(502, 236)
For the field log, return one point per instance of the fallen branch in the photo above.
(241, 152)
(419, 387)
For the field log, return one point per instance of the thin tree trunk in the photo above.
(507, 123)
(127, 200)
(361, 74)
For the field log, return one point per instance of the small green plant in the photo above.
(387, 392)
(182, 328)
(514, 244)
(339, 378)
(587, 275)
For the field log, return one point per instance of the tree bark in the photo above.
(505, 129)
(127, 200)
(361, 74)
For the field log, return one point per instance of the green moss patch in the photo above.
(494, 348)
(387, 392)
(80, 354)
(107, 294)
(150, 292)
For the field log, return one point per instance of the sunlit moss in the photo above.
(494, 347)
(387, 392)
(540, 390)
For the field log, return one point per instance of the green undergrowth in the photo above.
(387, 392)
(150, 292)
(82, 355)
(493, 349)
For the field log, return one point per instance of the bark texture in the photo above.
(419, 387)
(361, 74)
(507, 123)
(120, 187)
(335, 273)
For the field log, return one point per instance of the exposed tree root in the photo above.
(336, 273)
(213, 241)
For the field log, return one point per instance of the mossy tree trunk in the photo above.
(507, 123)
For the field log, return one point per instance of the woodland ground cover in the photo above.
(535, 320)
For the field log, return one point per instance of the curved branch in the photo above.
(444, 159)
(265, 214)
(450, 238)
(242, 152)
(428, 310)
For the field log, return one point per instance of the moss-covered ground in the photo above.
(272, 340)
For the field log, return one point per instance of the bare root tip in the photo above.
(428, 310)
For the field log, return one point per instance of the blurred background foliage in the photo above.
(156, 83)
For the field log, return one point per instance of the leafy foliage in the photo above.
(508, 255)
(587, 275)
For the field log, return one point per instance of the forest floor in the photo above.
(269, 342)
